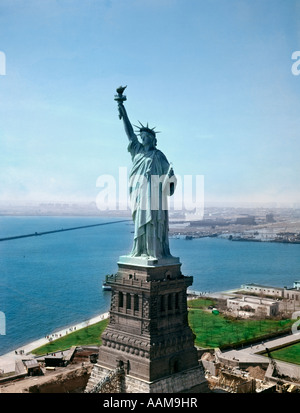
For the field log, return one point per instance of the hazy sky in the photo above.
(214, 76)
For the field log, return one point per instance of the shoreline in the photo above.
(61, 332)
(27, 348)
(24, 351)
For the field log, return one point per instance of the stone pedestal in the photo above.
(148, 333)
(187, 381)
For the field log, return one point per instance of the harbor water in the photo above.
(51, 281)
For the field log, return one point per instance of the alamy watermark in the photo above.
(296, 66)
(2, 64)
(151, 192)
(2, 324)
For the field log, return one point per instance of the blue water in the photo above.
(53, 281)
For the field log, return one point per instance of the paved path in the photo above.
(253, 353)
(208, 294)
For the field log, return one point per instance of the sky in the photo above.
(214, 76)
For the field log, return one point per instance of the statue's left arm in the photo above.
(173, 181)
(170, 180)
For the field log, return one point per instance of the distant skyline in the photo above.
(214, 76)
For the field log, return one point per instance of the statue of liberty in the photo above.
(151, 181)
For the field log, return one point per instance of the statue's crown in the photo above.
(143, 128)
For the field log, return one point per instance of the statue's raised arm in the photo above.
(120, 98)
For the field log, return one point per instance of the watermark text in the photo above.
(151, 192)
(296, 65)
(2, 64)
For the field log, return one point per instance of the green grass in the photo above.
(210, 330)
(218, 331)
(200, 303)
(290, 354)
(85, 336)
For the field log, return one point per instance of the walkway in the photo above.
(252, 354)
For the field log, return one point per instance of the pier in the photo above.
(35, 234)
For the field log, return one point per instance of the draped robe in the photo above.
(149, 187)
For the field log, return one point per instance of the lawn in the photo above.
(216, 330)
(85, 336)
(200, 303)
(210, 330)
(290, 354)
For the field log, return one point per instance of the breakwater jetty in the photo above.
(35, 234)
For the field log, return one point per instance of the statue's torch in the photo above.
(120, 98)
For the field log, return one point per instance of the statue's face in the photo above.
(147, 139)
